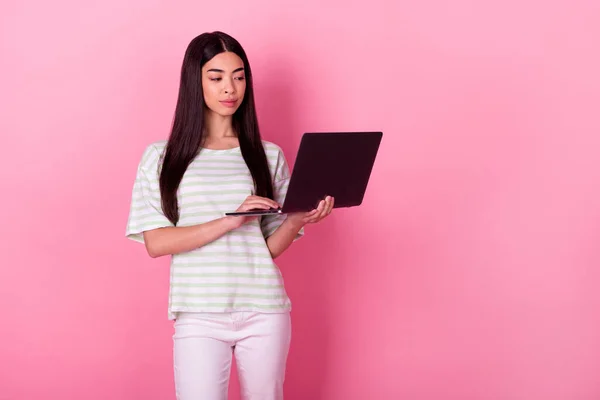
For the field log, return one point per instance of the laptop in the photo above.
(337, 164)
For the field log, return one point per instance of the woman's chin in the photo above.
(223, 111)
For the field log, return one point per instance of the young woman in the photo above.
(226, 296)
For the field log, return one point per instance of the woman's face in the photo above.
(224, 83)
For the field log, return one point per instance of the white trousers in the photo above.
(203, 346)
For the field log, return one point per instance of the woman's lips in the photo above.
(228, 103)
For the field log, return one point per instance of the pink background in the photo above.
(470, 272)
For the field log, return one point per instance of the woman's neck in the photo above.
(219, 131)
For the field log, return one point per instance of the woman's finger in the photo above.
(255, 204)
(331, 204)
(308, 217)
(311, 213)
(265, 199)
(261, 202)
(271, 203)
(323, 210)
(321, 206)
(326, 206)
(317, 214)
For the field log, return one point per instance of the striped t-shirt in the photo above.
(235, 272)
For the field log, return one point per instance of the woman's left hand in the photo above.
(323, 210)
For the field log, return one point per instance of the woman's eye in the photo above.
(239, 78)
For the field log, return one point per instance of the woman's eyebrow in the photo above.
(220, 70)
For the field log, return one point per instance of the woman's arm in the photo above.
(285, 234)
(283, 237)
(172, 240)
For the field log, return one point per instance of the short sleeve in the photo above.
(145, 212)
(281, 180)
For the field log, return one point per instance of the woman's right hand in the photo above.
(253, 203)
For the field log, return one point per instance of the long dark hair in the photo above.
(187, 134)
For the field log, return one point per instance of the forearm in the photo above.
(283, 237)
(174, 240)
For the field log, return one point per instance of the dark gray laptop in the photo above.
(337, 164)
